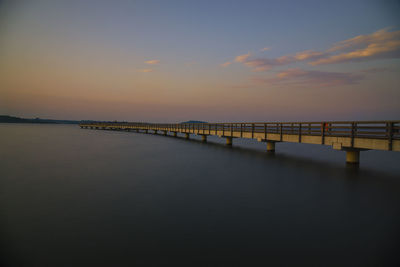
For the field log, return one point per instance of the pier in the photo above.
(349, 136)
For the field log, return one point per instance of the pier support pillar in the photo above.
(165, 132)
(155, 131)
(146, 131)
(187, 135)
(204, 138)
(229, 141)
(353, 156)
(175, 134)
(270, 146)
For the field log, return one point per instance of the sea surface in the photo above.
(79, 197)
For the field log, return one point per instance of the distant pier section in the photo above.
(349, 136)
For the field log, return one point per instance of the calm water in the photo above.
(74, 197)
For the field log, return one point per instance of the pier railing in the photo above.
(389, 130)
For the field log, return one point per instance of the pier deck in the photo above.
(352, 137)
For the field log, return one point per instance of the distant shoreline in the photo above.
(11, 119)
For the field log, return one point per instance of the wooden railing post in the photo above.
(353, 133)
(299, 132)
(265, 131)
(389, 128)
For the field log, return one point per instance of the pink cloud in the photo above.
(226, 64)
(378, 45)
(242, 58)
(308, 55)
(152, 62)
(377, 70)
(146, 70)
(310, 78)
(388, 49)
(265, 64)
(260, 64)
(380, 36)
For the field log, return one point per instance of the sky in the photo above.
(216, 61)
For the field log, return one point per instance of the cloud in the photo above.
(260, 64)
(265, 64)
(376, 37)
(152, 62)
(146, 70)
(310, 78)
(308, 55)
(226, 64)
(265, 49)
(378, 45)
(377, 70)
(242, 58)
(387, 49)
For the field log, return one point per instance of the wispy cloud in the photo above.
(308, 55)
(226, 64)
(265, 64)
(242, 58)
(310, 78)
(378, 45)
(377, 70)
(152, 62)
(374, 49)
(380, 36)
(261, 64)
(146, 70)
(265, 49)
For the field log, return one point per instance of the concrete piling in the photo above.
(270, 146)
(229, 141)
(353, 156)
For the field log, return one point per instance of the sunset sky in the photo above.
(170, 61)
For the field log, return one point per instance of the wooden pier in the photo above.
(350, 136)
